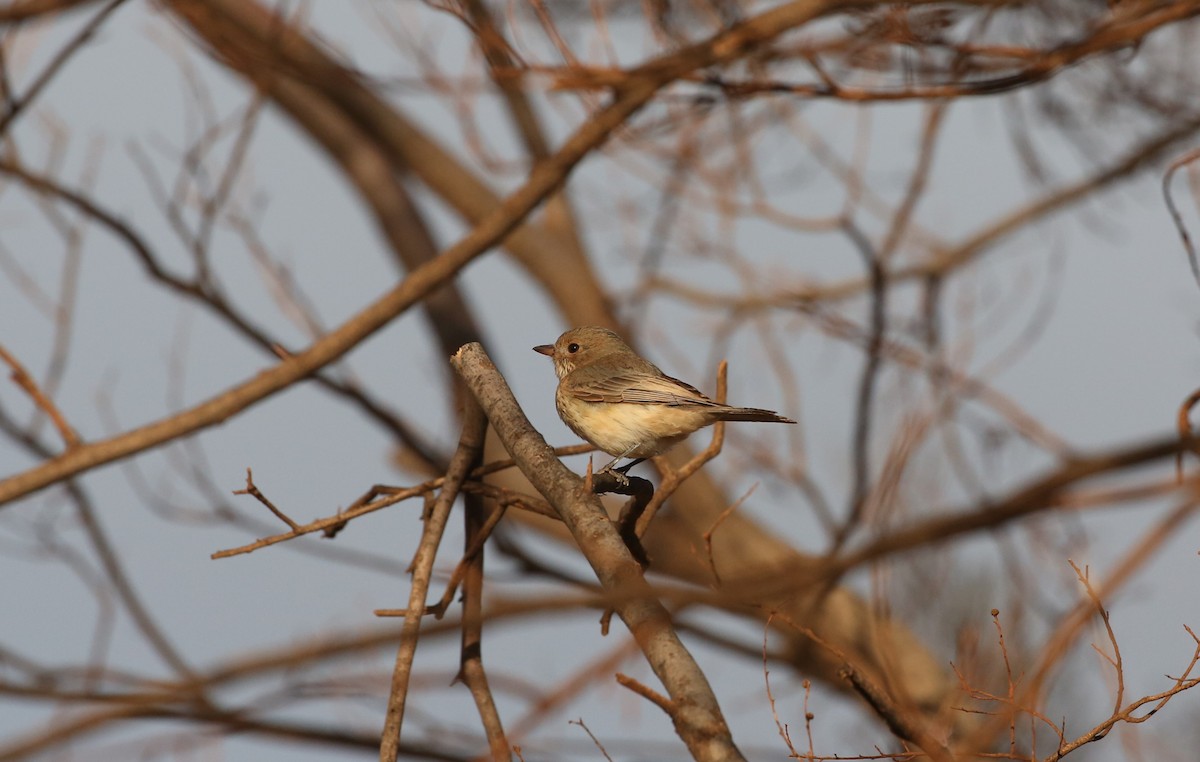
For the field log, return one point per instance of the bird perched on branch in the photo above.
(623, 404)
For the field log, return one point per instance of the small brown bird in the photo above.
(623, 404)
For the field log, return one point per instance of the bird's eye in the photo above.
(572, 347)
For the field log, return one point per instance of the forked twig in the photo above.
(253, 491)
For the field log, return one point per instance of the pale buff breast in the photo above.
(635, 430)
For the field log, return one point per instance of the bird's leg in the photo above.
(620, 474)
(620, 458)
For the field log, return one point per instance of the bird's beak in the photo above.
(545, 349)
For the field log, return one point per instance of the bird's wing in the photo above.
(639, 388)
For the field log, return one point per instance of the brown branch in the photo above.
(24, 10)
(780, 727)
(503, 498)
(591, 735)
(471, 669)
(470, 445)
(696, 715)
(1115, 660)
(897, 721)
(646, 692)
(253, 491)
(331, 525)
(22, 379)
(18, 104)
(232, 721)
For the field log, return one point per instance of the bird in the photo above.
(623, 404)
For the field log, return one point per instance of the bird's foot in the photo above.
(617, 475)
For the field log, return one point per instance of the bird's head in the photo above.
(582, 346)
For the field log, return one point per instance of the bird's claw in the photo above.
(617, 475)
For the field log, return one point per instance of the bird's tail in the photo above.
(752, 414)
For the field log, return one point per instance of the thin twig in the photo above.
(708, 534)
(22, 379)
(592, 736)
(17, 104)
(253, 491)
(330, 525)
(779, 726)
(1176, 217)
(1115, 660)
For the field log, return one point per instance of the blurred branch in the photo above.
(1176, 217)
(19, 103)
(42, 402)
(271, 53)
(109, 558)
(25, 10)
(1043, 494)
(1127, 26)
(215, 301)
(544, 179)
(945, 261)
(241, 32)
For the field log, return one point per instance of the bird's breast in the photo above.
(640, 430)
